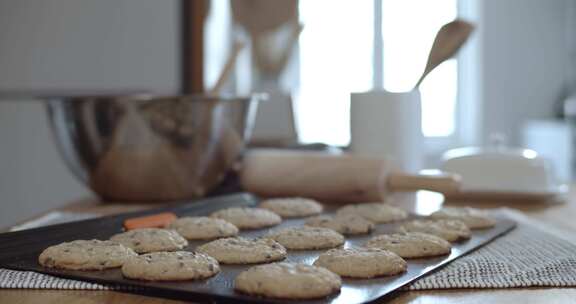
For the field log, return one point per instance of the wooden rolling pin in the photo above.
(332, 177)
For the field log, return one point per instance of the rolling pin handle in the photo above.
(446, 183)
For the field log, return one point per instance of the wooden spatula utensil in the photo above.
(448, 41)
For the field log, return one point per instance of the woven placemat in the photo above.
(528, 256)
(525, 257)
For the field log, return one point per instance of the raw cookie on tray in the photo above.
(450, 230)
(306, 238)
(362, 263)
(146, 240)
(292, 206)
(288, 281)
(348, 224)
(240, 250)
(376, 212)
(473, 218)
(248, 218)
(85, 255)
(411, 244)
(170, 266)
(203, 228)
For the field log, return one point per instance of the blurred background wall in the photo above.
(524, 57)
(104, 44)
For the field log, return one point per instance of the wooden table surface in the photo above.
(558, 218)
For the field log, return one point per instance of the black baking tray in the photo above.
(19, 251)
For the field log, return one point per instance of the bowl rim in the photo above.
(114, 95)
(203, 97)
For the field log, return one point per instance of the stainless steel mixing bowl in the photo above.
(148, 148)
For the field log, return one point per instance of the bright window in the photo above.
(408, 29)
(336, 58)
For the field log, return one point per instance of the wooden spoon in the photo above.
(231, 141)
(227, 69)
(448, 41)
(269, 61)
(259, 16)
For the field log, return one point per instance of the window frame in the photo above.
(468, 114)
